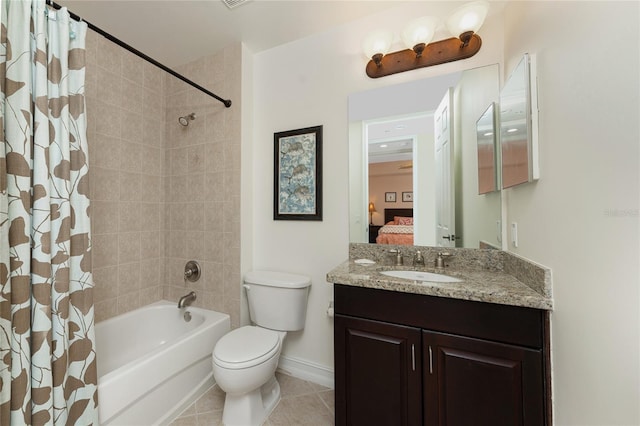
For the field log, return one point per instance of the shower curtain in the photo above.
(48, 369)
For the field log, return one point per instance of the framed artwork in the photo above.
(297, 181)
(407, 197)
(390, 197)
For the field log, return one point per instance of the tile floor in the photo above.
(302, 403)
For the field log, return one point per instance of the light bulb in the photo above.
(419, 32)
(377, 44)
(468, 17)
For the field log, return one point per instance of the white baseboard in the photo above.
(307, 370)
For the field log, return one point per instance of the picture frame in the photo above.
(297, 181)
(390, 197)
(407, 197)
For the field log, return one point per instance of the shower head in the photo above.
(184, 120)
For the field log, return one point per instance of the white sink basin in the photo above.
(421, 276)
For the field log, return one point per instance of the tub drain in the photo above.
(187, 316)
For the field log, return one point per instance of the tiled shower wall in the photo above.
(162, 193)
(202, 214)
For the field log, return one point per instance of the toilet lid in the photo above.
(246, 346)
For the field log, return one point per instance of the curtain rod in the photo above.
(226, 102)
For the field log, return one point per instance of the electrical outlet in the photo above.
(514, 234)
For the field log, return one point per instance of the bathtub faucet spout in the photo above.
(187, 299)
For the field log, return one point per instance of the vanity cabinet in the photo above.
(408, 359)
(380, 373)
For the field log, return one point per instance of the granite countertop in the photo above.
(489, 286)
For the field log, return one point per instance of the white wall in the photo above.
(306, 83)
(581, 218)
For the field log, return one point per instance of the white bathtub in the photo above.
(152, 364)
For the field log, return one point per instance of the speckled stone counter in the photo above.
(491, 276)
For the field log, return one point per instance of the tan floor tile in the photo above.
(212, 400)
(185, 421)
(290, 386)
(213, 418)
(307, 409)
(302, 403)
(329, 399)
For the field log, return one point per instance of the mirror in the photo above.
(487, 164)
(518, 127)
(476, 218)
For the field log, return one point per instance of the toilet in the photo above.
(245, 359)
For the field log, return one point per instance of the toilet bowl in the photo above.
(245, 360)
(244, 365)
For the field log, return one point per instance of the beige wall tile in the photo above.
(131, 96)
(163, 193)
(214, 247)
(128, 247)
(106, 309)
(132, 67)
(105, 282)
(178, 159)
(131, 127)
(110, 86)
(213, 215)
(108, 54)
(131, 155)
(150, 295)
(151, 162)
(128, 278)
(195, 159)
(195, 187)
(129, 218)
(150, 246)
(152, 76)
(214, 157)
(152, 104)
(104, 151)
(129, 186)
(128, 302)
(151, 190)
(194, 244)
(153, 132)
(105, 184)
(107, 118)
(104, 217)
(149, 217)
(105, 250)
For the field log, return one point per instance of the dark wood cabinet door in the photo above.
(378, 373)
(476, 382)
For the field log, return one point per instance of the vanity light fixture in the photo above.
(463, 23)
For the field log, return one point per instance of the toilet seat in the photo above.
(246, 347)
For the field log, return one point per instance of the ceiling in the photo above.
(175, 32)
(392, 140)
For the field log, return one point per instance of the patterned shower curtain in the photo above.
(48, 369)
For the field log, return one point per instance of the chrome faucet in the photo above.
(187, 299)
(418, 259)
(399, 261)
(440, 259)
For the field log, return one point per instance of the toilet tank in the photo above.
(277, 300)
